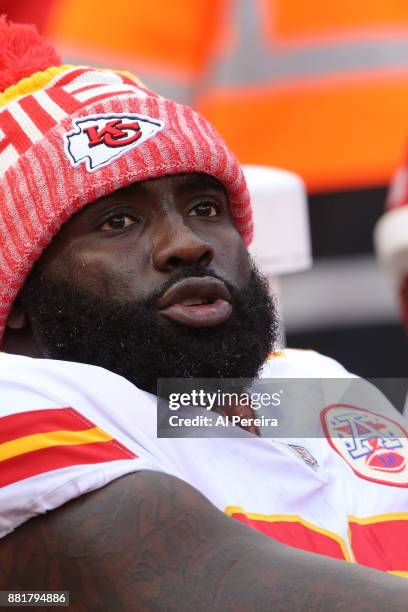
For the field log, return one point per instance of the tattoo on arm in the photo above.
(151, 542)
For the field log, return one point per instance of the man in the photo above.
(391, 244)
(390, 238)
(135, 217)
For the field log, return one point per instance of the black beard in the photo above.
(133, 340)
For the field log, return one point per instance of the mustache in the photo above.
(190, 272)
(39, 280)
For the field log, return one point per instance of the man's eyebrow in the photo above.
(188, 182)
(200, 182)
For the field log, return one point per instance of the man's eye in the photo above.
(204, 209)
(117, 222)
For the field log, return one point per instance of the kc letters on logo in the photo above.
(373, 445)
(99, 139)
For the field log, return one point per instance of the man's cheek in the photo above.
(235, 264)
(87, 270)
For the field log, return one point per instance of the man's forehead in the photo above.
(178, 183)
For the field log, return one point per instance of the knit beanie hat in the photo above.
(391, 237)
(72, 134)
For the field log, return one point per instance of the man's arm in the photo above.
(151, 542)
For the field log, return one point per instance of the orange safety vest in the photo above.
(319, 88)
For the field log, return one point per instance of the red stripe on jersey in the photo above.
(37, 114)
(63, 99)
(381, 544)
(14, 132)
(32, 422)
(297, 535)
(57, 457)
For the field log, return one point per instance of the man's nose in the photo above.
(179, 247)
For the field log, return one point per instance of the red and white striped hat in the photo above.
(69, 135)
(391, 237)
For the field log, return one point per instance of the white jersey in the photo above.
(67, 429)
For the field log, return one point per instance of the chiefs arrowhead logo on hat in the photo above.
(99, 139)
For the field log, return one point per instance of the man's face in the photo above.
(152, 281)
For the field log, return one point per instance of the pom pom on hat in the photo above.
(23, 51)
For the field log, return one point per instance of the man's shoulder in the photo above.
(63, 380)
(68, 429)
(10, 363)
(302, 363)
(99, 395)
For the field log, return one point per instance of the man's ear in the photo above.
(17, 318)
(18, 337)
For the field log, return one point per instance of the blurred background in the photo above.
(319, 89)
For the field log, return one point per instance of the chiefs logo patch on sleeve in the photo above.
(373, 445)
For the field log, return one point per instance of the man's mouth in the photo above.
(197, 302)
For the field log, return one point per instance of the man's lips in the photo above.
(197, 302)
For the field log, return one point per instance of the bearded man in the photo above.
(124, 221)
